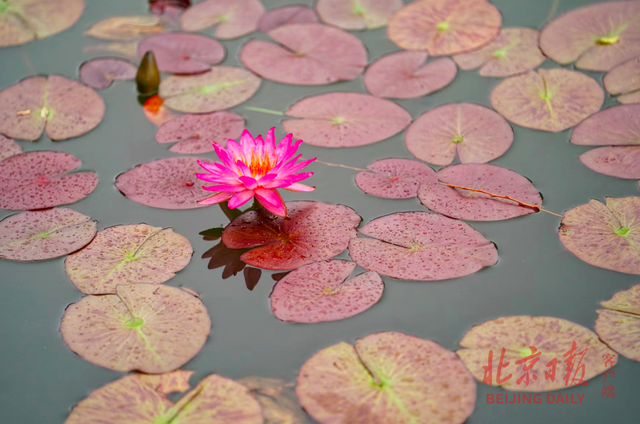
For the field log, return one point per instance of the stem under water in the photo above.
(263, 110)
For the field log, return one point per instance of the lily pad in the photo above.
(128, 254)
(36, 236)
(194, 133)
(41, 179)
(8, 147)
(474, 206)
(101, 72)
(143, 398)
(605, 236)
(389, 378)
(596, 37)
(624, 79)
(126, 28)
(357, 14)
(548, 100)
(145, 327)
(220, 88)
(308, 54)
(421, 246)
(287, 15)
(345, 120)
(22, 21)
(629, 98)
(183, 53)
(405, 75)
(234, 18)
(165, 183)
(318, 292)
(552, 337)
(619, 325)
(445, 27)
(395, 178)
(311, 232)
(278, 400)
(62, 107)
(476, 133)
(514, 51)
(615, 161)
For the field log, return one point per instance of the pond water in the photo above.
(41, 379)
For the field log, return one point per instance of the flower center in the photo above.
(260, 164)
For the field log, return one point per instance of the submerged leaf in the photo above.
(619, 325)
(8, 147)
(183, 53)
(395, 178)
(126, 28)
(624, 79)
(100, 73)
(287, 15)
(357, 14)
(278, 400)
(233, 18)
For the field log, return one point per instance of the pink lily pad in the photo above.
(220, 88)
(405, 75)
(514, 51)
(234, 18)
(40, 235)
(345, 120)
(474, 206)
(421, 246)
(359, 14)
(128, 254)
(311, 232)
(287, 15)
(386, 377)
(445, 27)
(62, 107)
(619, 325)
(552, 337)
(8, 147)
(308, 54)
(318, 292)
(395, 178)
(22, 21)
(476, 133)
(101, 72)
(145, 327)
(596, 37)
(278, 400)
(143, 398)
(183, 53)
(41, 179)
(194, 133)
(605, 236)
(624, 79)
(548, 100)
(629, 98)
(615, 161)
(165, 183)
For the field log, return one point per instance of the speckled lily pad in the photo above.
(8, 147)
(128, 254)
(287, 15)
(183, 53)
(100, 73)
(624, 80)
(357, 14)
(619, 325)
(233, 18)
(395, 178)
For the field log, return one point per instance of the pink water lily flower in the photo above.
(255, 167)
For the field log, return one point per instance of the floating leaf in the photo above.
(386, 377)
(619, 325)
(474, 206)
(345, 120)
(183, 53)
(477, 133)
(620, 162)
(8, 147)
(36, 236)
(311, 232)
(445, 27)
(404, 75)
(605, 236)
(596, 37)
(357, 14)
(62, 107)
(101, 72)
(421, 246)
(624, 79)
(287, 15)
(395, 178)
(514, 51)
(308, 54)
(552, 337)
(278, 400)
(126, 28)
(548, 100)
(22, 21)
(128, 254)
(143, 398)
(220, 88)
(156, 112)
(234, 18)
(629, 98)
(145, 327)
(318, 292)
(195, 133)
(41, 179)
(164, 183)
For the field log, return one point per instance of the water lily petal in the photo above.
(272, 201)
(249, 182)
(240, 199)
(299, 187)
(216, 198)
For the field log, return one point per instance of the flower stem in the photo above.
(231, 214)
(263, 110)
